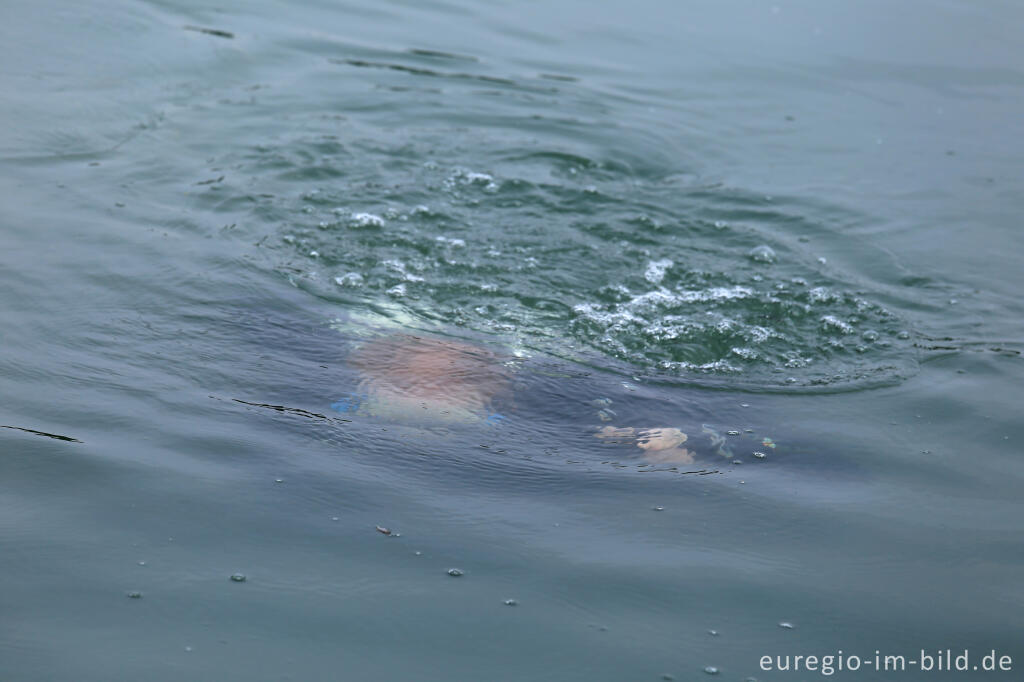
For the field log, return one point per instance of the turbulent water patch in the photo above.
(577, 236)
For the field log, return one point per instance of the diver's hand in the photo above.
(645, 439)
(612, 434)
(660, 446)
(674, 455)
(660, 439)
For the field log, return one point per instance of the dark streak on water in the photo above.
(42, 433)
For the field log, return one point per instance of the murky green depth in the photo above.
(790, 227)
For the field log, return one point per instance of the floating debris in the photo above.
(785, 625)
(43, 433)
(280, 408)
(733, 432)
(768, 443)
(511, 602)
(760, 455)
(711, 670)
(713, 633)
(135, 595)
(455, 572)
(659, 509)
(382, 529)
(238, 577)
(211, 31)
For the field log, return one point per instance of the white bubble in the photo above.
(366, 220)
(349, 279)
(762, 254)
(655, 271)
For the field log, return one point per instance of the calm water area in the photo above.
(334, 297)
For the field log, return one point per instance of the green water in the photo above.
(795, 221)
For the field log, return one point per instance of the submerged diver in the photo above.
(406, 377)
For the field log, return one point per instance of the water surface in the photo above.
(795, 222)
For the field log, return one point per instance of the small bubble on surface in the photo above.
(786, 625)
(659, 509)
(238, 577)
(366, 220)
(349, 279)
(760, 455)
(455, 572)
(713, 633)
(134, 595)
(451, 241)
(711, 670)
(511, 602)
(733, 433)
(142, 563)
(762, 254)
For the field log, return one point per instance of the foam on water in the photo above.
(613, 252)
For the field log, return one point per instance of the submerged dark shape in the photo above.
(43, 433)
